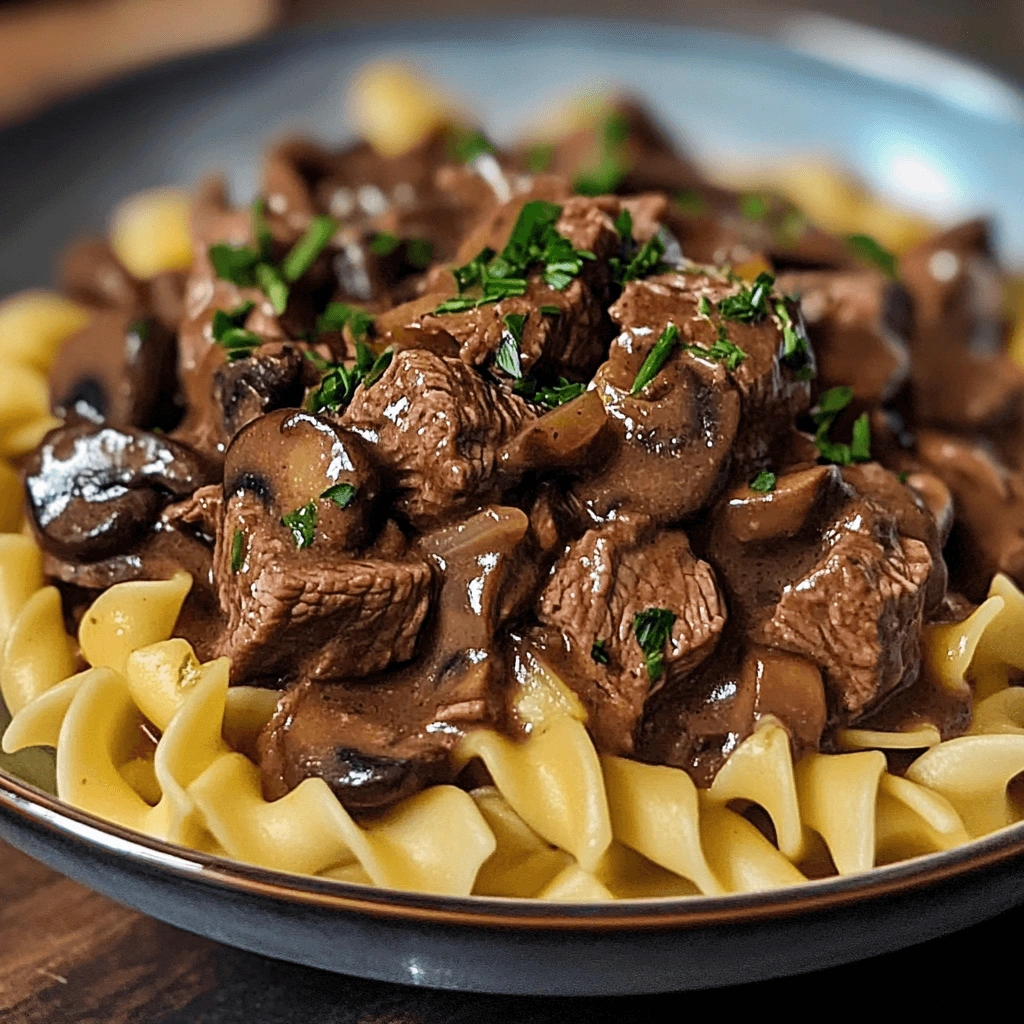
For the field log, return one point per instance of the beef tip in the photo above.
(816, 569)
(91, 273)
(599, 586)
(566, 332)
(436, 428)
(859, 323)
(94, 490)
(959, 322)
(274, 377)
(119, 369)
(914, 517)
(697, 726)
(402, 725)
(676, 441)
(301, 595)
(988, 498)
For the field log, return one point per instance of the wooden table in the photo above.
(68, 956)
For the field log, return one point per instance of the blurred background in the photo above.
(50, 48)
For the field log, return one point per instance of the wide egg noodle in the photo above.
(911, 820)
(926, 735)
(949, 648)
(1003, 712)
(760, 770)
(1001, 645)
(553, 781)
(38, 723)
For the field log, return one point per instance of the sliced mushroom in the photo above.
(93, 490)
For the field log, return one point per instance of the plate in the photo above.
(729, 98)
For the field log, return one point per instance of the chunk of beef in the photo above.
(818, 570)
(859, 323)
(94, 491)
(959, 323)
(379, 740)
(988, 498)
(436, 428)
(680, 436)
(302, 594)
(697, 725)
(596, 590)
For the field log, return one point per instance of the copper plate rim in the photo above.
(40, 809)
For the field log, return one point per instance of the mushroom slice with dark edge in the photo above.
(94, 491)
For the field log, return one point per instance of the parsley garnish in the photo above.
(380, 364)
(418, 253)
(271, 284)
(539, 157)
(340, 494)
(228, 332)
(795, 351)
(384, 243)
(867, 249)
(550, 398)
(624, 224)
(339, 383)
(611, 167)
(551, 310)
(723, 350)
(304, 252)
(237, 551)
(749, 305)
(764, 482)
(904, 476)
(511, 341)
(339, 315)
(652, 628)
(599, 652)
(689, 200)
(236, 264)
(466, 144)
(140, 328)
(704, 307)
(501, 276)
(635, 262)
(261, 229)
(830, 404)
(302, 522)
(754, 206)
(656, 358)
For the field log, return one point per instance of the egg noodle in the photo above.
(148, 737)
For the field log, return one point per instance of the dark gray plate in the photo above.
(61, 174)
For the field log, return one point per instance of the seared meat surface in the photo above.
(416, 423)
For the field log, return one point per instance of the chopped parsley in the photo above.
(689, 200)
(551, 310)
(466, 144)
(340, 494)
(302, 522)
(635, 261)
(599, 652)
(764, 482)
(237, 551)
(261, 229)
(140, 328)
(611, 167)
(304, 252)
(538, 158)
(338, 385)
(549, 397)
(796, 352)
(508, 356)
(497, 276)
(656, 358)
(754, 206)
(868, 250)
(749, 305)
(419, 253)
(384, 243)
(652, 628)
(234, 263)
(624, 224)
(339, 315)
(904, 476)
(228, 332)
(704, 307)
(272, 285)
(830, 404)
(723, 350)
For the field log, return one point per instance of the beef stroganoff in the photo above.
(544, 522)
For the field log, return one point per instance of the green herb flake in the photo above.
(868, 250)
(690, 201)
(375, 372)
(722, 351)
(236, 264)
(599, 652)
(261, 229)
(237, 551)
(228, 333)
(304, 252)
(302, 522)
(551, 310)
(140, 328)
(860, 444)
(764, 482)
(645, 262)
(652, 629)
(749, 305)
(611, 166)
(830, 404)
(754, 206)
(466, 144)
(624, 224)
(904, 476)
(384, 243)
(419, 253)
(796, 352)
(704, 306)
(340, 494)
(339, 315)
(272, 285)
(656, 358)
(538, 158)
(508, 357)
